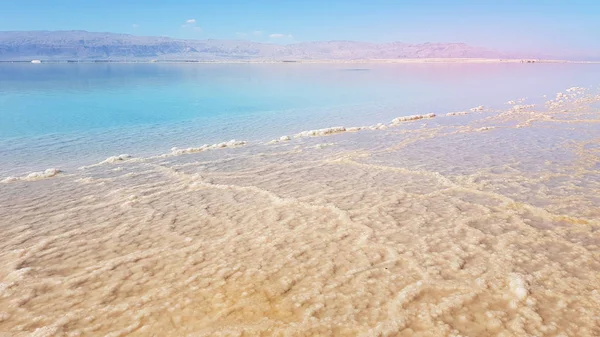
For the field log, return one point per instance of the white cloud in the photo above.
(191, 24)
(280, 36)
(135, 25)
(257, 32)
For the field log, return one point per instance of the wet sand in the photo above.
(479, 223)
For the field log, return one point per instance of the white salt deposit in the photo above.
(116, 159)
(33, 176)
(458, 113)
(379, 126)
(518, 286)
(523, 107)
(401, 119)
(9, 179)
(230, 144)
(178, 151)
(485, 128)
(281, 139)
(320, 132)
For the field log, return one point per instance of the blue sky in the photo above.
(533, 25)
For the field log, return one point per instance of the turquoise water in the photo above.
(67, 115)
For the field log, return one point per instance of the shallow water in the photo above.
(485, 224)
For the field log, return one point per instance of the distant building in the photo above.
(36, 61)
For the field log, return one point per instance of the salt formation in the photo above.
(572, 96)
(281, 139)
(379, 126)
(518, 101)
(518, 286)
(398, 120)
(33, 176)
(485, 128)
(458, 113)
(205, 147)
(523, 107)
(576, 89)
(331, 131)
(320, 132)
(116, 159)
(9, 179)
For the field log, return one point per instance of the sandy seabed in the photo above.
(480, 223)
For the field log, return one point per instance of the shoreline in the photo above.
(321, 61)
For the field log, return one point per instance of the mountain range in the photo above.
(83, 45)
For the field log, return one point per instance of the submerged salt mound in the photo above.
(322, 146)
(320, 132)
(232, 143)
(33, 176)
(398, 120)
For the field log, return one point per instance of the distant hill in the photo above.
(83, 45)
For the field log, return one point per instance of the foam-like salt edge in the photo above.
(329, 131)
(174, 152)
(232, 143)
(110, 160)
(341, 129)
(33, 176)
(398, 120)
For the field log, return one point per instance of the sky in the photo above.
(536, 25)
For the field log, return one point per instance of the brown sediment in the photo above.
(396, 233)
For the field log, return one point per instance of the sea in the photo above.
(69, 115)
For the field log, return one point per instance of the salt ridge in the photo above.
(230, 144)
(33, 176)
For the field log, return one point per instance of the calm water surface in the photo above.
(65, 115)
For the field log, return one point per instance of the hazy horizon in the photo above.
(534, 27)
